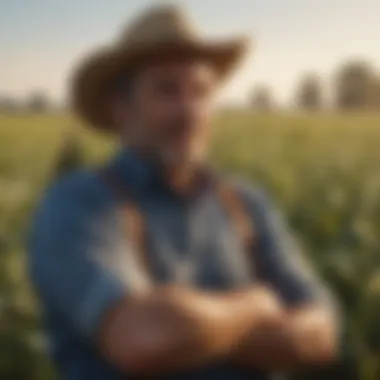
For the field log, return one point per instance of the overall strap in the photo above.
(134, 223)
(234, 206)
(135, 226)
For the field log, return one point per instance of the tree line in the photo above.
(355, 86)
(36, 102)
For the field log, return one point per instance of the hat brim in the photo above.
(93, 78)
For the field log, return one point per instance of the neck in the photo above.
(183, 177)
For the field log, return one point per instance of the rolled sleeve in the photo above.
(102, 295)
(73, 234)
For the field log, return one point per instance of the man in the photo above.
(155, 265)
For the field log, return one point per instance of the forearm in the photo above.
(181, 330)
(303, 337)
(210, 326)
(267, 347)
(174, 328)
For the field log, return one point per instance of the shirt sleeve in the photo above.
(78, 259)
(279, 259)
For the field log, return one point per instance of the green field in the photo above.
(323, 171)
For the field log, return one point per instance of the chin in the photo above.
(181, 158)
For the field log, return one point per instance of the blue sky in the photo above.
(41, 39)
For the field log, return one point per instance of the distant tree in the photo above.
(376, 94)
(38, 102)
(8, 104)
(309, 94)
(354, 86)
(262, 99)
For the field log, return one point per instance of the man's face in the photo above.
(168, 111)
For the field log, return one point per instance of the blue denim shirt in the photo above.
(82, 264)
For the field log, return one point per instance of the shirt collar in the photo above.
(144, 176)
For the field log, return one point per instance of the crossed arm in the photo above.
(174, 329)
(285, 322)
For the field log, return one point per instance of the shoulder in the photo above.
(253, 195)
(77, 185)
(74, 212)
(79, 188)
(259, 205)
(72, 196)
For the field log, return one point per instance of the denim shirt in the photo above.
(82, 264)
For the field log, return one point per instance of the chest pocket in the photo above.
(230, 201)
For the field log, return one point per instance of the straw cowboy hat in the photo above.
(163, 31)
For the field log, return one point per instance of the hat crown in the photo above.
(161, 24)
(165, 30)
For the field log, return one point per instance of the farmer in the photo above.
(156, 265)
